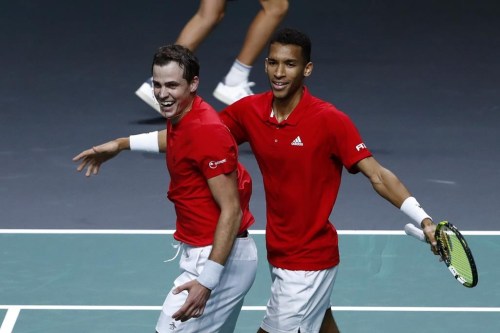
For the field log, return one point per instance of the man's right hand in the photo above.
(93, 158)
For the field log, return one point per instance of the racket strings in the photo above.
(459, 259)
(444, 240)
(455, 253)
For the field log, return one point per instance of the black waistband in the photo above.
(243, 234)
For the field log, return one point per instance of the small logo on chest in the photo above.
(297, 142)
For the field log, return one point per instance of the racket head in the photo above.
(456, 254)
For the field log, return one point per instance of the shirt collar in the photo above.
(192, 113)
(295, 115)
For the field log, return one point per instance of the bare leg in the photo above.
(235, 84)
(209, 14)
(261, 29)
(329, 325)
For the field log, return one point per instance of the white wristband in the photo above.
(412, 208)
(210, 276)
(147, 142)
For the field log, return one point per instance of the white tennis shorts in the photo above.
(225, 302)
(299, 300)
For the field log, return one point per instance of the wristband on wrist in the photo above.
(412, 208)
(210, 276)
(146, 142)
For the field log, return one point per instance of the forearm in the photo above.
(224, 237)
(388, 186)
(225, 234)
(123, 143)
(393, 190)
(225, 192)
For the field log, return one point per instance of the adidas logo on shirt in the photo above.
(297, 142)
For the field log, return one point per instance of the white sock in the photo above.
(237, 74)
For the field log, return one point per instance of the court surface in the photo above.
(115, 281)
(421, 80)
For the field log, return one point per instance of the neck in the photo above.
(282, 108)
(178, 117)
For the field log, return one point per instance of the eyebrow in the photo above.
(284, 60)
(167, 83)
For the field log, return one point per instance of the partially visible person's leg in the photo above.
(209, 14)
(329, 325)
(261, 29)
(235, 84)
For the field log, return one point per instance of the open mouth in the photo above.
(279, 85)
(167, 104)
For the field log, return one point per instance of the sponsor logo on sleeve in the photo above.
(360, 146)
(215, 164)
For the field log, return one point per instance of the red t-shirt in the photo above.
(200, 147)
(301, 161)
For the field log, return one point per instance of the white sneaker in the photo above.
(230, 94)
(145, 92)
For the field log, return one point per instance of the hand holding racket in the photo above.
(453, 250)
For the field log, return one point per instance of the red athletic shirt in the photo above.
(200, 147)
(301, 161)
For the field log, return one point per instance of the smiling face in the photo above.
(172, 91)
(286, 69)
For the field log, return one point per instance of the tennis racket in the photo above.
(453, 249)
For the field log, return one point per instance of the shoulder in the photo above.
(330, 118)
(212, 134)
(252, 104)
(325, 109)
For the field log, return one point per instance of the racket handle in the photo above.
(412, 230)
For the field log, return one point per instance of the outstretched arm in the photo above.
(387, 185)
(94, 157)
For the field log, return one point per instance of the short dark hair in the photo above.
(181, 55)
(289, 36)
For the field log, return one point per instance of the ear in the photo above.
(265, 65)
(193, 86)
(308, 69)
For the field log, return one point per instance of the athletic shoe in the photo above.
(230, 94)
(145, 92)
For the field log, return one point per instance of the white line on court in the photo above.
(170, 232)
(13, 310)
(10, 319)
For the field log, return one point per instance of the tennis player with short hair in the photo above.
(301, 144)
(211, 193)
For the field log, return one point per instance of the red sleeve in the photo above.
(348, 146)
(231, 118)
(216, 151)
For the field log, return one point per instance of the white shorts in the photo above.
(299, 300)
(225, 302)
